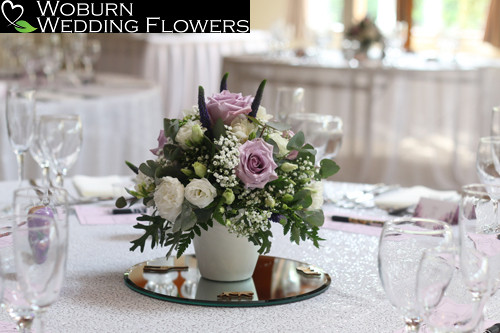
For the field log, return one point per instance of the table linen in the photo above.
(95, 298)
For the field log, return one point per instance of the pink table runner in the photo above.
(102, 215)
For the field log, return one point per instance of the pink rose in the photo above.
(256, 167)
(227, 106)
(162, 140)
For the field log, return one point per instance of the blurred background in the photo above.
(414, 82)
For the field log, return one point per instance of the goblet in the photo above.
(91, 53)
(60, 138)
(443, 294)
(20, 114)
(289, 100)
(14, 300)
(402, 243)
(38, 261)
(322, 131)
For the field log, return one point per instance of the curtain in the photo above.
(492, 30)
(404, 9)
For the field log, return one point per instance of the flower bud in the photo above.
(287, 167)
(228, 196)
(187, 172)
(199, 169)
(287, 198)
(270, 202)
(196, 134)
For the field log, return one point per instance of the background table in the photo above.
(96, 299)
(417, 123)
(178, 63)
(121, 117)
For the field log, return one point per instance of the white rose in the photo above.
(168, 197)
(183, 137)
(316, 189)
(200, 192)
(241, 127)
(190, 112)
(262, 114)
(281, 142)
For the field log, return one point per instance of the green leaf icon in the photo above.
(24, 26)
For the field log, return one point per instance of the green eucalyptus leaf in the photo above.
(328, 168)
(296, 142)
(121, 202)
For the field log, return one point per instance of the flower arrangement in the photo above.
(226, 162)
(366, 33)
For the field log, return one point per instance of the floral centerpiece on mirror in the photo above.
(225, 171)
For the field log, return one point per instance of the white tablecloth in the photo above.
(121, 118)
(415, 124)
(179, 63)
(96, 299)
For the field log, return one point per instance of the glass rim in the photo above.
(490, 138)
(396, 224)
(478, 189)
(60, 116)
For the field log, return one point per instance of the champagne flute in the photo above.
(402, 243)
(479, 226)
(91, 53)
(495, 121)
(60, 137)
(13, 300)
(324, 132)
(38, 261)
(40, 157)
(289, 100)
(20, 114)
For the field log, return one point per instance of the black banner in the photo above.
(129, 16)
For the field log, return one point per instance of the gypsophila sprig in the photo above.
(225, 161)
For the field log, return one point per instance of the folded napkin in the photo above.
(107, 186)
(410, 196)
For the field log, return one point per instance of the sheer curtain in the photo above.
(492, 30)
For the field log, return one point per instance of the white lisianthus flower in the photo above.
(316, 188)
(191, 112)
(262, 115)
(281, 142)
(142, 182)
(168, 197)
(200, 192)
(242, 127)
(184, 135)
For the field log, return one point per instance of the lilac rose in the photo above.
(162, 140)
(256, 167)
(227, 106)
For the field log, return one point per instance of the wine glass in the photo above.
(13, 300)
(20, 114)
(446, 301)
(479, 227)
(488, 160)
(38, 261)
(289, 100)
(402, 243)
(324, 132)
(60, 137)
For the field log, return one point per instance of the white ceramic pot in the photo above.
(223, 256)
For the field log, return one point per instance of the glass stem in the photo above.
(39, 324)
(59, 180)
(46, 176)
(20, 167)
